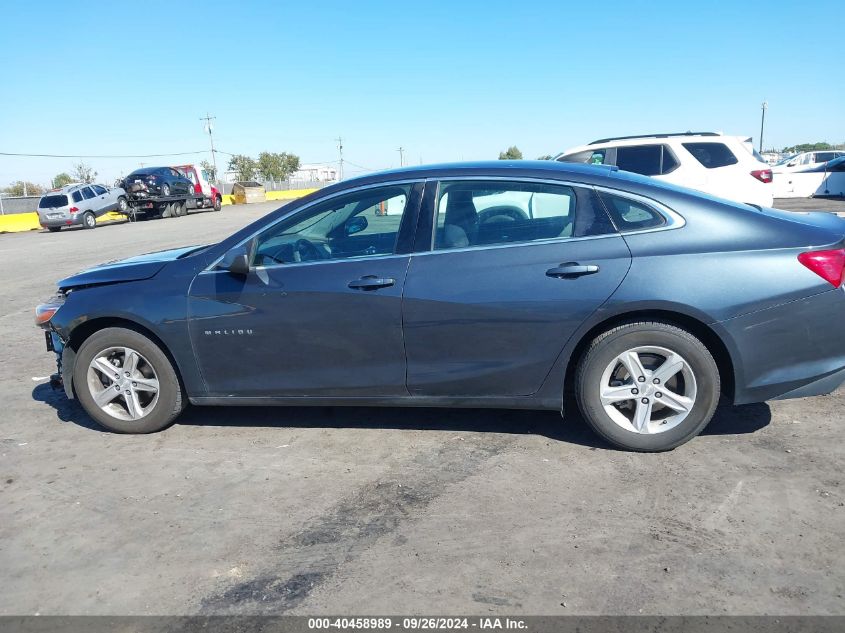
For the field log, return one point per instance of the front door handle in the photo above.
(571, 270)
(371, 282)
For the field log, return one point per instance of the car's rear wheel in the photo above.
(647, 386)
(122, 205)
(89, 220)
(54, 229)
(126, 382)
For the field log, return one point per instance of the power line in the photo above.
(99, 155)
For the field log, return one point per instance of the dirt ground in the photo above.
(366, 511)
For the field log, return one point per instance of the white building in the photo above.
(314, 173)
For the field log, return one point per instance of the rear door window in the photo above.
(486, 213)
(711, 155)
(648, 160)
(87, 193)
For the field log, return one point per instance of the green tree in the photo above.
(209, 169)
(807, 147)
(62, 179)
(24, 188)
(245, 167)
(512, 153)
(545, 157)
(83, 173)
(275, 166)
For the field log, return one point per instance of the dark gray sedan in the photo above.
(510, 284)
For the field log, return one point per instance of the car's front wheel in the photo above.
(647, 386)
(126, 382)
(218, 203)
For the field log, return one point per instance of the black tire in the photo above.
(165, 189)
(608, 346)
(89, 220)
(181, 208)
(167, 210)
(54, 229)
(122, 205)
(218, 203)
(170, 401)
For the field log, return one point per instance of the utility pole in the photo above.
(762, 123)
(340, 154)
(401, 151)
(208, 127)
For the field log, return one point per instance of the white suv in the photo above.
(724, 166)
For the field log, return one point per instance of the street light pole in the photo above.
(401, 151)
(208, 127)
(763, 123)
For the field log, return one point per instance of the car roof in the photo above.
(70, 187)
(590, 174)
(660, 135)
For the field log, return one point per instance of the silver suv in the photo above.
(79, 204)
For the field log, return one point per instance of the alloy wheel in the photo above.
(648, 389)
(123, 383)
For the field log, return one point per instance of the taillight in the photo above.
(763, 175)
(197, 188)
(73, 209)
(829, 265)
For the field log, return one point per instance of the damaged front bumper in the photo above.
(65, 357)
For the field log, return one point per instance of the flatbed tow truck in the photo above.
(142, 206)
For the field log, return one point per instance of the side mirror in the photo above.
(236, 261)
(355, 225)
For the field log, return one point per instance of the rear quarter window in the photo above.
(711, 155)
(631, 215)
(77, 197)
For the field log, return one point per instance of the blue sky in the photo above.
(445, 80)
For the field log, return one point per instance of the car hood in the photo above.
(129, 269)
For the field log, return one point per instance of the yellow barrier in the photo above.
(290, 194)
(18, 222)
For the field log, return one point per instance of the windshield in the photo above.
(783, 161)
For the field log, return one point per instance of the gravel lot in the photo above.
(353, 511)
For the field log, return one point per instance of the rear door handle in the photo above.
(571, 270)
(371, 282)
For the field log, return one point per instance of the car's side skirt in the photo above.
(544, 404)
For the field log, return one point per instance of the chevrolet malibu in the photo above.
(531, 285)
